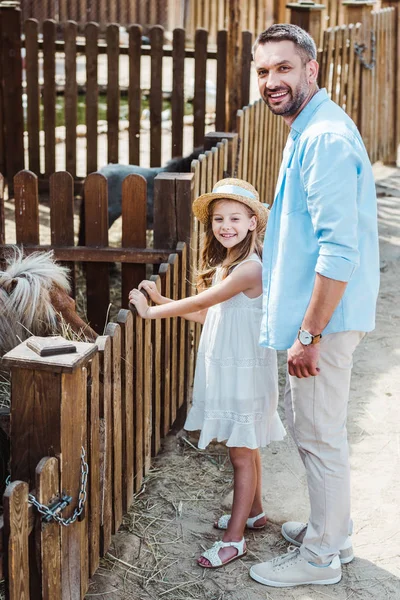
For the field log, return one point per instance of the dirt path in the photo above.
(153, 556)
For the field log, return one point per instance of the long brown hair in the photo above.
(213, 253)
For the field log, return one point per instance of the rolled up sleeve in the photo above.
(330, 168)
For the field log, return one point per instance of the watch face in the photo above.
(305, 338)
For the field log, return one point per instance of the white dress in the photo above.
(235, 394)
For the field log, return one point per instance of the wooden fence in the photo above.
(168, 13)
(355, 81)
(49, 147)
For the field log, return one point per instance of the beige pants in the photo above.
(316, 412)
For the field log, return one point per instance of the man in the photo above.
(321, 278)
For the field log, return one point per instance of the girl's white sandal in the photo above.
(223, 522)
(213, 557)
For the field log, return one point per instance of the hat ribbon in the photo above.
(233, 189)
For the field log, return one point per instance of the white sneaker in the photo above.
(291, 569)
(294, 533)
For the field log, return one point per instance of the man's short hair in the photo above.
(304, 44)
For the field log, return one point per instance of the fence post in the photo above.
(11, 90)
(212, 138)
(308, 16)
(48, 416)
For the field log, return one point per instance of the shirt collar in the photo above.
(301, 121)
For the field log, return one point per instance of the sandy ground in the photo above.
(154, 554)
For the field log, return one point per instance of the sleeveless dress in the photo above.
(235, 393)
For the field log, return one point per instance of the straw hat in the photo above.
(232, 189)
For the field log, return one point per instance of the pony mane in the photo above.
(25, 305)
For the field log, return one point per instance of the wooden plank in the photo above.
(183, 339)
(83, 521)
(12, 92)
(157, 374)
(101, 255)
(49, 96)
(96, 234)
(47, 491)
(220, 109)
(125, 321)
(199, 100)
(31, 31)
(147, 394)
(134, 93)
(114, 331)
(93, 416)
(15, 504)
(138, 405)
(177, 99)
(134, 218)
(91, 34)
(26, 208)
(70, 96)
(165, 218)
(173, 262)
(113, 93)
(165, 278)
(103, 344)
(184, 196)
(156, 35)
(247, 41)
(62, 213)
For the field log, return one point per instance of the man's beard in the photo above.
(292, 105)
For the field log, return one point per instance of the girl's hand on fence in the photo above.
(151, 289)
(140, 303)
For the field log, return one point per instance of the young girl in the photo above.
(235, 391)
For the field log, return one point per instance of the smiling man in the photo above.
(320, 285)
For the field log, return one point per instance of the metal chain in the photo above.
(361, 48)
(51, 513)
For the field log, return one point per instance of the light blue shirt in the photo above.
(323, 220)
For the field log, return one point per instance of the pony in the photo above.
(34, 299)
(115, 175)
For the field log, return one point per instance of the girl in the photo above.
(235, 389)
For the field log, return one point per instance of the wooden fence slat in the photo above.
(165, 278)
(134, 218)
(93, 415)
(183, 339)
(32, 91)
(113, 93)
(247, 41)
(220, 109)
(135, 93)
(106, 437)
(83, 523)
(138, 404)
(199, 100)
(125, 321)
(26, 208)
(173, 262)
(165, 221)
(91, 35)
(156, 35)
(177, 100)
(147, 394)
(47, 491)
(114, 331)
(15, 503)
(49, 95)
(96, 234)
(156, 342)
(11, 109)
(70, 96)
(62, 214)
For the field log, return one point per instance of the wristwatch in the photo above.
(306, 338)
